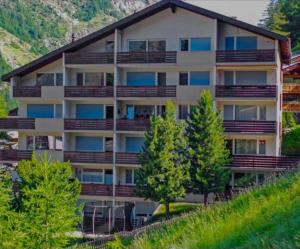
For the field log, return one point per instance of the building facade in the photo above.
(89, 102)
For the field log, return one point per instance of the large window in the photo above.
(251, 77)
(40, 111)
(228, 112)
(246, 112)
(200, 78)
(89, 111)
(43, 143)
(141, 78)
(134, 144)
(129, 176)
(94, 79)
(156, 46)
(49, 79)
(137, 46)
(245, 147)
(246, 43)
(147, 45)
(93, 144)
(229, 43)
(200, 44)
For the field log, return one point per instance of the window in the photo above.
(45, 79)
(229, 43)
(245, 147)
(42, 143)
(109, 144)
(109, 79)
(246, 43)
(59, 79)
(183, 79)
(134, 144)
(109, 112)
(200, 78)
(262, 147)
(92, 175)
(200, 44)
(251, 78)
(137, 46)
(262, 113)
(89, 143)
(161, 79)
(130, 112)
(229, 145)
(89, 111)
(129, 176)
(30, 142)
(183, 111)
(40, 111)
(94, 79)
(141, 79)
(58, 111)
(184, 45)
(109, 46)
(79, 79)
(108, 177)
(228, 78)
(156, 46)
(160, 110)
(246, 112)
(228, 112)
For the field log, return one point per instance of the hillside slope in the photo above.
(267, 218)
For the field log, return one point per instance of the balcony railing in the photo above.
(17, 123)
(291, 107)
(264, 55)
(127, 158)
(15, 155)
(89, 124)
(125, 191)
(89, 91)
(147, 57)
(89, 58)
(27, 92)
(291, 89)
(107, 190)
(88, 157)
(242, 126)
(246, 91)
(146, 91)
(268, 162)
(133, 125)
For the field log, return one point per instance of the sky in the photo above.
(245, 10)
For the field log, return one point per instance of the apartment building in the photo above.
(89, 102)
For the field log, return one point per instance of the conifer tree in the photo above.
(207, 149)
(164, 168)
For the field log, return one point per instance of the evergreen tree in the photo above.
(207, 148)
(164, 168)
(288, 120)
(48, 201)
(3, 107)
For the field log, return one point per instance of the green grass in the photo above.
(267, 218)
(176, 208)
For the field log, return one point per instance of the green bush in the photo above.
(291, 142)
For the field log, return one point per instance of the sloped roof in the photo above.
(138, 16)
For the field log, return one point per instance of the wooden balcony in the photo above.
(133, 125)
(241, 126)
(15, 155)
(291, 88)
(125, 191)
(89, 91)
(17, 124)
(127, 158)
(291, 107)
(237, 56)
(88, 157)
(89, 58)
(146, 91)
(263, 162)
(27, 92)
(89, 124)
(107, 190)
(147, 57)
(246, 91)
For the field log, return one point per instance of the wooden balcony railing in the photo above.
(88, 157)
(15, 155)
(125, 191)
(246, 91)
(127, 158)
(146, 91)
(89, 91)
(291, 107)
(242, 126)
(27, 92)
(89, 124)
(17, 123)
(291, 89)
(89, 58)
(268, 162)
(264, 55)
(106, 190)
(133, 125)
(147, 57)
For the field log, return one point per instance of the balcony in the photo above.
(89, 124)
(17, 124)
(88, 157)
(241, 126)
(127, 158)
(246, 91)
(147, 57)
(125, 191)
(146, 91)
(291, 107)
(291, 89)
(15, 155)
(237, 56)
(89, 91)
(133, 125)
(89, 58)
(107, 190)
(263, 162)
(27, 92)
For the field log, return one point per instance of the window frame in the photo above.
(81, 174)
(147, 44)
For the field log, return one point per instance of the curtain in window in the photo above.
(93, 144)
(134, 144)
(141, 79)
(200, 44)
(200, 78)
(89, 111)
(40, 111)
(246, 147)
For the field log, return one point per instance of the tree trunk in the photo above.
(205, 199)
(167, 210)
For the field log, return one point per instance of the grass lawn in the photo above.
(267, 218)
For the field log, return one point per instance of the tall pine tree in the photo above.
(164, 168)
(207, 149)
